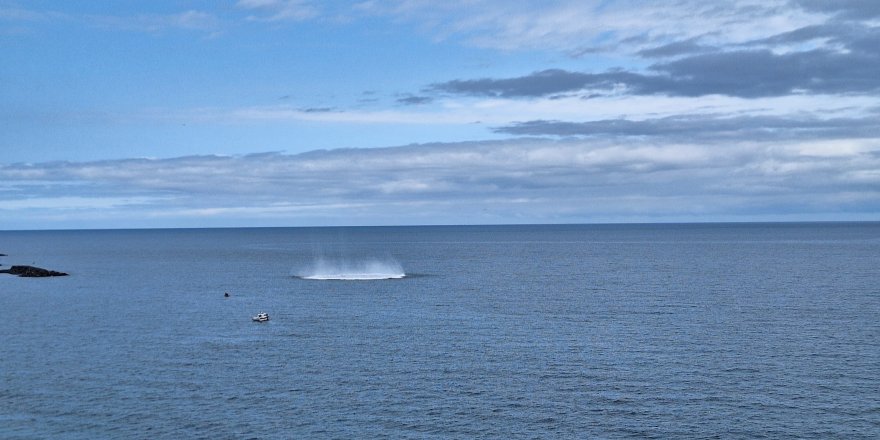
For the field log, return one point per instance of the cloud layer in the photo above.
(750, 71)
(713, 128)
(526, 180)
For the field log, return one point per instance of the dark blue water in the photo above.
(638, 331)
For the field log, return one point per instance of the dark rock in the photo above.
(31, 271)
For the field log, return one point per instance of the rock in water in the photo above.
(31, 271)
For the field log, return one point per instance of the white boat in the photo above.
(261, 317)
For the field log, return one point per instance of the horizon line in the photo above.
(445, 225)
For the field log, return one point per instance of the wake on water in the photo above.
(372, 269)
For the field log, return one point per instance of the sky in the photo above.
(232, 113)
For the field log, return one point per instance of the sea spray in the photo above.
(367, 269)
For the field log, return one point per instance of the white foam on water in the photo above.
(372, 269)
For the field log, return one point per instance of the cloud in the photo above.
(415, 100)
(75, 203)
(834, 31)
(686, 47)
(762, 73)
(18, 14)
(847, 9)
(537, 84)
(529, 180)
(734, 48)
(318, 110)
(330, 115)
(748, 73)
(191, 20)
(596, 26)
(280, 10)
(706, 127)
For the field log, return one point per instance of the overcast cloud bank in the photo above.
(525, 181)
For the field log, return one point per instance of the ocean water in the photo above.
(603, 331)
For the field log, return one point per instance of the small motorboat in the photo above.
(261, 317)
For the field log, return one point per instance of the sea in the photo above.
(685, 331)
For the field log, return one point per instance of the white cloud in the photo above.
(837, 148)
(75, 203)
(500, 111)
(191, 20)
(569, 25)
(280, 10)
(514, 180)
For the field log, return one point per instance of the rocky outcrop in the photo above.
(31, 271)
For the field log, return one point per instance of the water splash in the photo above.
(371, 269)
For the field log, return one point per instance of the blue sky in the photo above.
(294, 112)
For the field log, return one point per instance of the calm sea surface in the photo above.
(635, 331)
